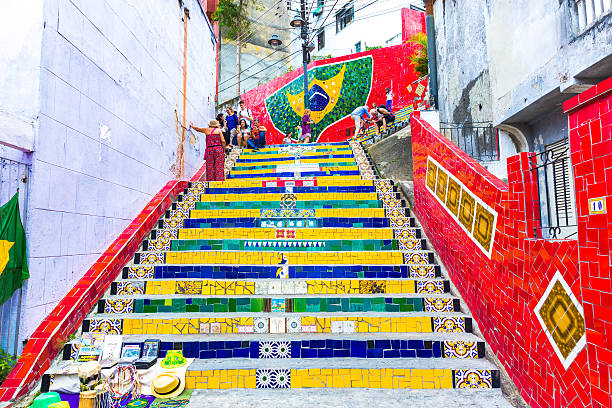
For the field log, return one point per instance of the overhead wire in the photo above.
(314, 33)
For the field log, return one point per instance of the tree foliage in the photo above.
(7, 362)
(233, 16)
(419, 59)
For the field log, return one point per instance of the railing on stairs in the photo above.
(478, 140)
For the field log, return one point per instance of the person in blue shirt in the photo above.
(231, 121)
(357, 116)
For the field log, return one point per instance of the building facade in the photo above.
(514, 63)
(91, 97)
(343, 27)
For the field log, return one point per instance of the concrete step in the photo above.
(349, 398)
(201, 323)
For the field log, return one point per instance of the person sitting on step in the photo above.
(257, 138)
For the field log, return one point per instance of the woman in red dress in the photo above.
(215, 150)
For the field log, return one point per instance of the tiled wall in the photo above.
(590, 124)
(525, 293)
(386, 67)
(47, 339)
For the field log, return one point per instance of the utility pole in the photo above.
(304, 36)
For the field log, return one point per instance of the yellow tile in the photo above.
(249, 381)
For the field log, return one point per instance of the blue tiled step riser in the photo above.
(290, 223)
(271, 272)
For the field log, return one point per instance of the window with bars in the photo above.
(321, 40)
(556, 194)
(589, 11)
(344, 17)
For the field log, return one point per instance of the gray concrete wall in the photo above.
(519, 59)
(110, 81)
(463, 62)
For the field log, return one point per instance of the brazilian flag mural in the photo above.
(334, 91)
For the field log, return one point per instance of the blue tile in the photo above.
(359, 348)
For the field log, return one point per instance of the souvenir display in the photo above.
(111, 353)
(91, 346)
(173, 359)
(150, 353)
(130, 353)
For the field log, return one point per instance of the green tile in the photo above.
(257, 305)
(299, 305)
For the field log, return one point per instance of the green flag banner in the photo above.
(13, 259)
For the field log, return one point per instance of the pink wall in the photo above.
(390, 68)
(520, 285)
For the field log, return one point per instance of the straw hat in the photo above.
(168, 385)
(214, 123)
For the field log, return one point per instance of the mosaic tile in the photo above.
(476, 218)
(140, 272)
(260, 324)
(119, 306)
(460, 349)
(562, 318)
(273, 378)
(130, 288)
(274, 349)
(448, 324)
(473, 379)
(438, 305)
(430, 287)
(108, 326)
(335, 90)
(422, 271)
(294, 325)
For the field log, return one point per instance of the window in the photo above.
(321, 40)
(358, 47)
(589, 11)
(344, 17)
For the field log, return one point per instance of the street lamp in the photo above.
(297, 21)
(300, 20)
(275, 41)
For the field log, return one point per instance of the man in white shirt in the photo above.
(245, 113)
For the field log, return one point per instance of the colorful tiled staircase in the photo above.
(302, 270)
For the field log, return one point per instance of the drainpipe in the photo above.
(431, 53)
(180, 158)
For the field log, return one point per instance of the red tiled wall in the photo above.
(48, 338)
(502, 292)
(391, 66)
(413, 21)
(590, 124)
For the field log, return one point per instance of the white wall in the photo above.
(374, 23)
(116, 65)
(21, 25)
